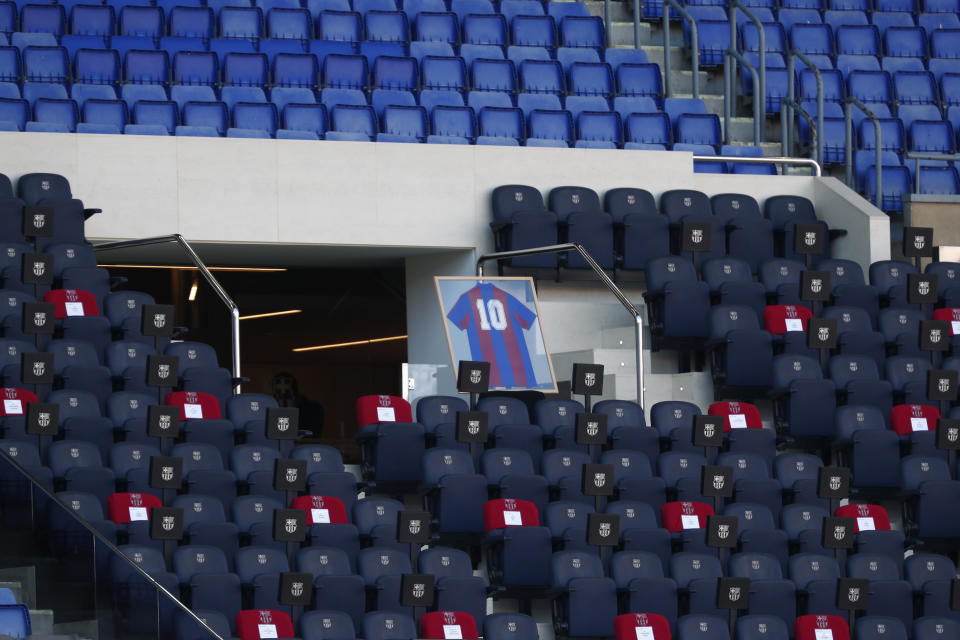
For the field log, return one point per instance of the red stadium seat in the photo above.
(630, 626)
(131, 507)
(15, 401)
(373, 409)
(321, 509)
(72, 302)
(806, 627)
(950, 315)
(732, 411)
(503, 513)
(254, 624)
(678, 516)
(781, 318)
(195, 405)
(869, 517)
(909, 418)
(448, 625)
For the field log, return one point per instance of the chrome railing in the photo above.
(730, 95)
(786, 133)
(165, 600)
(694, 47)
(211, 280)
(848, 105)
(918, 156)
(601, 275)
(730, 69)
(791, 94)
(802, 162)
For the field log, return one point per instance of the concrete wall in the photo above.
(372, 194)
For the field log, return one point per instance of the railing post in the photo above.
(759, 88)
(210, 279)
(601, 275)
(849, 103)
(694, 44)
(819, 77)
(637, 10)
(607, 21)
(757, 116)
(848, 142)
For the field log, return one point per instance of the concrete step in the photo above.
(678, 56)
(621, 34)
(741, 130)
(41, 621)
(713, 102)
(619, 11)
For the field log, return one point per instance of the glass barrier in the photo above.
(98, 579)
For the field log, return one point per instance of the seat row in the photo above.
(297, 24)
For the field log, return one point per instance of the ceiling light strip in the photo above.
(272, 314)
(350, 344)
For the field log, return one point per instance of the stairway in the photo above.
(681, 74)
(579, 316)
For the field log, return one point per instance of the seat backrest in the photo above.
(443, 462)
(620, 413)
(382, 408)
(436, 410)
(508, 512)
(779, 319)
(376, 562)
(72, 302)
(445, 562)
(868, 517)
(632, 626)
(920, 568)
(504, 410)
(371, 512)
(438, 625)
(263, 623)
(324, 561)
(806, 627)
(321, 509)
(509, 626)
(678, 203)
(909, 418)
(195, 405)
(677, 516)
(807, 567)
(131, 507)
(756, 566)
(873, 567)
(570, 565)
(738, 415)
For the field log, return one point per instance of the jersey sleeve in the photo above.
(461, 311)
(520, 313)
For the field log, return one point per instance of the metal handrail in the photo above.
(730, 75)
(796, 53)
(918, 156)
(786, 134)
(804, 162)
(694, 45)
(637, 12)
(601, 275)
(212, 281)
(37, 485)
(848, 105)
(729, 98)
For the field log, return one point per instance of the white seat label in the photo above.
(866, 524)
(794, 324)
(690, 522)
(12, 407)
(644, 633)
(386, 414)
(74, 308)
(823, 634)
(193, 411)
(267, 630)
(138, 513)
(512, 519)
(738, 421)
(955, 327)
(918, 424)
(452, 632)
(320, 516)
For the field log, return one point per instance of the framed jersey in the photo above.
(497, 320)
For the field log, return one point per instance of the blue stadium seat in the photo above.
(386, 26)
(435, 26)
(343, 26)
(582, 31)
(289, 24)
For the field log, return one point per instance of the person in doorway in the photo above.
(287, 394)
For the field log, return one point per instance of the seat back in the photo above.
(438, 625)
(678, 516)
(382, 408)
(131, 507)
(868, 517)
(508, 512)
(321, 509)
(263, 623)
(195, 405)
